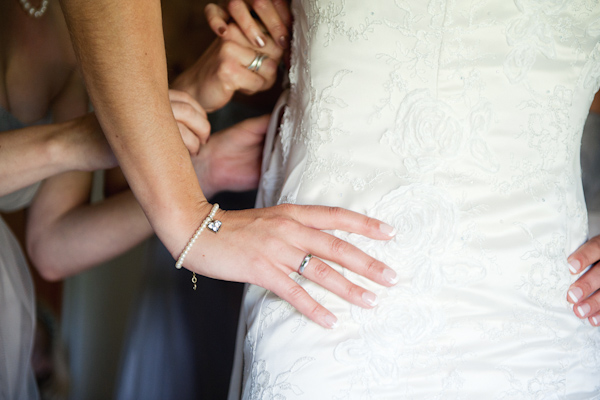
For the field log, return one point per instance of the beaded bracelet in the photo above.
(210, 223)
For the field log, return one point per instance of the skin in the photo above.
(122, 58)
(65, 233)
(221, 70)
(274, 15)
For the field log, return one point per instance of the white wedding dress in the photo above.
(459, 122)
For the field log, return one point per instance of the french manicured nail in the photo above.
(283, 41)
(260, 42)
(574, 266)
(370, 299)
(222, 30)
(331, 321)
(387, 229)
(595, 321)
(583, 309)
(390, 276)
(575, 294)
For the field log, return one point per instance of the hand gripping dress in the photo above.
(458, 122)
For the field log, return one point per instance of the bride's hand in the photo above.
(274, 15)
(191, 119)
(264, 246)
(232, 157)
(584, 293)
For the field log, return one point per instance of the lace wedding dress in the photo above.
(459, 122)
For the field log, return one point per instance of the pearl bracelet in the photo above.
(212, 224)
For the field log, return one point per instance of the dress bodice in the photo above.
(458, 122)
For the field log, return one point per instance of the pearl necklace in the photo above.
(36, 13)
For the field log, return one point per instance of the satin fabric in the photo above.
(459, 123)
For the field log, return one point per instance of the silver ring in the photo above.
(257, 62)
(304, 263)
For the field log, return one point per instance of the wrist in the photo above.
(180, 224)
(187, 82)
(202, 166)
(61, 146)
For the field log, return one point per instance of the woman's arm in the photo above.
(121, 50)
(32, 154)
(74, 142)
(67, 235)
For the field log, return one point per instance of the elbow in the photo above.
(42, 261)
(50, 273)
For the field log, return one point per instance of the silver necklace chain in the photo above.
(32, 11)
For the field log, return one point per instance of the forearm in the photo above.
(120, 46)
(32, 154)
(87, 236)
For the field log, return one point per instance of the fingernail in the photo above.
(574, 266)
(575, 294)
(390, 276)
(260, 42)
(583, 309)
(222, 30)
(331, 321)
(370, 298)
(283, 41)
(595, 321)
(387, 229)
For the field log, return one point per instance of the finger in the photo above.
(241, 14)
(290, 291)
(191, 141)
(331, 248)
(185, 97)
(234, 72)
(195, 122)
(283, 9)
(332, 218)
(327, 277)
(583, 293)
(594, 319)
(588, 307)
(267, 74)
(217, 18)
(271, 19)
(587, 254)
(271, 49)
(238, 77)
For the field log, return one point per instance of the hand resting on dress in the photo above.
(264, 246)
(584, 293)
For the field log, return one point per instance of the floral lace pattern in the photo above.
(458, 122)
